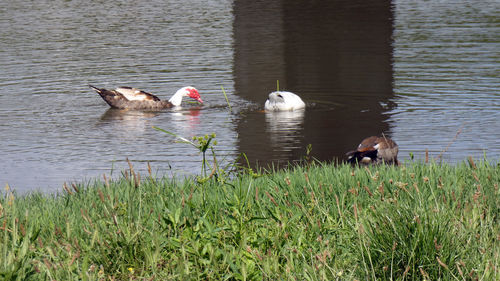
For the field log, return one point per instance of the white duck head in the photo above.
(284, 101)
(188, 91)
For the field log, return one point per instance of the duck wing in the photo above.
(369, 143)
(132, 94)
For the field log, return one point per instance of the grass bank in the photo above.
(319, 222)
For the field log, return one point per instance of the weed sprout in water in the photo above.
(202, 144)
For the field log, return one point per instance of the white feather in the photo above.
(131, 94)
(284, 101)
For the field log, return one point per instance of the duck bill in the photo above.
(199, 100)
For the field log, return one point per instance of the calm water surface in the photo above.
(419, 72)
(447, 78)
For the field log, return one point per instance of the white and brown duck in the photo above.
(132, 98)
(375, 150)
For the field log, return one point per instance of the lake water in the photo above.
(420, 72)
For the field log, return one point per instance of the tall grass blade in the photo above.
(227, 100)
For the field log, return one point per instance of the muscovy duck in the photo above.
(132, 98)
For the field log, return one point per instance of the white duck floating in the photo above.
(132, 98)
(284, 101)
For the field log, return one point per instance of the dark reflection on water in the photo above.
(336, 55)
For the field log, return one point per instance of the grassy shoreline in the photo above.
(317, 222)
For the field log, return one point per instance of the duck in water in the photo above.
(283, 101)
(132, 98)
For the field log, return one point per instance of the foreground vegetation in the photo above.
(317, 222)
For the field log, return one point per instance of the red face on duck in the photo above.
(193, 93)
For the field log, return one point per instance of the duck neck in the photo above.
(176, 99)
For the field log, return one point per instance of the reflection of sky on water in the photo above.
(445, 79)
(129, 123)
(187, 121)
(57, 130)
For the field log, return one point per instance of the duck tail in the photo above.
(95, 88)
(113, 98)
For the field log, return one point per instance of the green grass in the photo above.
(317, 222)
